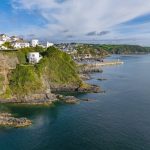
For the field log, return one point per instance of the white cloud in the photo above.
(79, 17)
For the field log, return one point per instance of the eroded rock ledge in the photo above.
(32, 99)
(68, 99)
(6, 119)
(80, 89)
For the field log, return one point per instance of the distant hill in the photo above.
(105, 49)
(124, 49)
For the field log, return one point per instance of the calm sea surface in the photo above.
(116, 120)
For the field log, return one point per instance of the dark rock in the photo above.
(87, 100)
(101, 79)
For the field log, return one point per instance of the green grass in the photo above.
(58, 66)
(24, 80)
(8, 45)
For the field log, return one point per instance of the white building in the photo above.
(20, 44)
(48, 44)
(34, 57)
(2, 42)
(34, 42)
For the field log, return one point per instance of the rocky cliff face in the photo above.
(89, 68)
(8, 63)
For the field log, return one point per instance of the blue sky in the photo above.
(74, 20)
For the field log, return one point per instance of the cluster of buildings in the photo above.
(14, 43)
(17, 42)
(72, 49)
(69, 48)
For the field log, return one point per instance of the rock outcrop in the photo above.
(101, 79)
(6, 119)
(34, 99)
(89, 68)
(8, 63)
(68, 99)
(74, 88)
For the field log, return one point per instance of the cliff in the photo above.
(22, 82)
(8, 63)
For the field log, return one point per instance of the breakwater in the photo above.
(109, 63)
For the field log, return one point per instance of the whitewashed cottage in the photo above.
(34, 57)
(34, 43)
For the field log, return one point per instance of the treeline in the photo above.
(104, 50)
(124, 49)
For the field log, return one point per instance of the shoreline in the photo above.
(50, 98)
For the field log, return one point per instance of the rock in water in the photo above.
(101, 79)
(6, 119)
(68, 99)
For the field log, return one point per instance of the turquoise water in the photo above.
(116, 120)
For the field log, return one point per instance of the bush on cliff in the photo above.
(24, 81)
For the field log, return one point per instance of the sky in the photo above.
(99, 21)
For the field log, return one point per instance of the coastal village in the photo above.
(15, 42)
(12, 43)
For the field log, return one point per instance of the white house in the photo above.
(20, 44)
(34, 42)
(48, 44)
(34, 57)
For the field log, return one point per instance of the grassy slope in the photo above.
(24, 80)
(56, 66)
